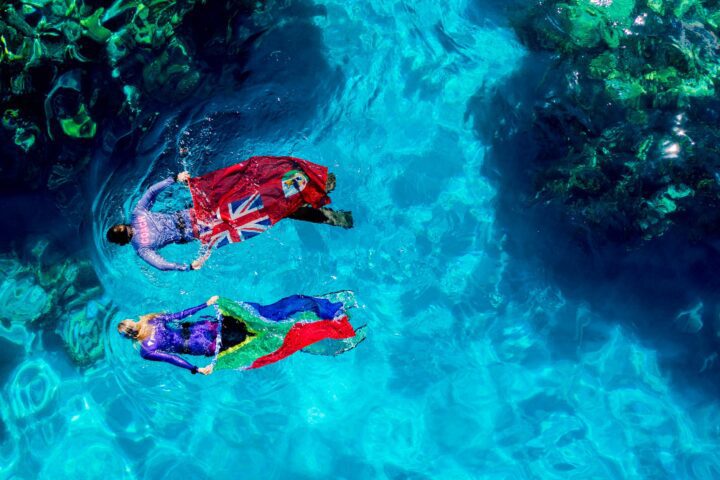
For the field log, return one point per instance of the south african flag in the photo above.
(254, 335)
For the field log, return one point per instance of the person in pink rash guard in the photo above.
(150, 231)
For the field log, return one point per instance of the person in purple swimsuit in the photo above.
(162, 336)
(150, 231)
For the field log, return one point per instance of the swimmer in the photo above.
(150, 231)
(163, 336)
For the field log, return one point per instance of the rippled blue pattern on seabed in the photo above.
(463, 375)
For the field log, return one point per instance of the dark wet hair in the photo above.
(119, 234)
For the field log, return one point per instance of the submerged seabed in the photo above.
(477, 364)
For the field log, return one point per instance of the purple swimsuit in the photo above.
(154, 230)
(197, 338)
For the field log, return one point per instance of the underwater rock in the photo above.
(624, 118)
(22, 300)
(46, 290)
(81, 331)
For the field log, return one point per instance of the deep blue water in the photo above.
(480, 362)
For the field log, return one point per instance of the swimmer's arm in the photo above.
(156, 356)
(147, 200)
(154, 259)
(205, 252)
(186, 313)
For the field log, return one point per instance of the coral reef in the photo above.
(61, 296)
(624, 118)
(81, 330)
(72, 70)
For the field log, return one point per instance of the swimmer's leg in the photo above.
(332, 347)
(308, 214)
(340, 218)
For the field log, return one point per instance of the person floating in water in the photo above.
(246, 335)
(231, 205)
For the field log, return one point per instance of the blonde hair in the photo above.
(149, 316)
(127, 328)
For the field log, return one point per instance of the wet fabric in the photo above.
(283, 328)
(239, 202)
(245, 335)
(154, 230)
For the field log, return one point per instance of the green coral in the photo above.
(584, 24)
(94, 28)
(596, 29)
(24, 138)
(639, 137)
(80, 125)
(22, 298)
(39, 291)
(25, 133)
(58, 57)
(623, 88)
(81, 330)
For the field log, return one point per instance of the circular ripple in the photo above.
(32, 388)
(86, 454)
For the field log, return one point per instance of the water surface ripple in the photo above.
(474, 367)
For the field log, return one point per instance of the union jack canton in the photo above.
(243, 219)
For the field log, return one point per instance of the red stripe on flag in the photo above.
(213, 192)
(301, 335)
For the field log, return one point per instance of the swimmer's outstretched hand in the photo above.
(206, 370)
(212, 300)
(200, 261)
(183, 177)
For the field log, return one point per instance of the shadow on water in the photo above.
(493, 12)
(664, 290)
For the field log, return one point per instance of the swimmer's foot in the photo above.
(340, 218)
(330, 184)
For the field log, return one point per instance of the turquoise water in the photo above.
(477, 365)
